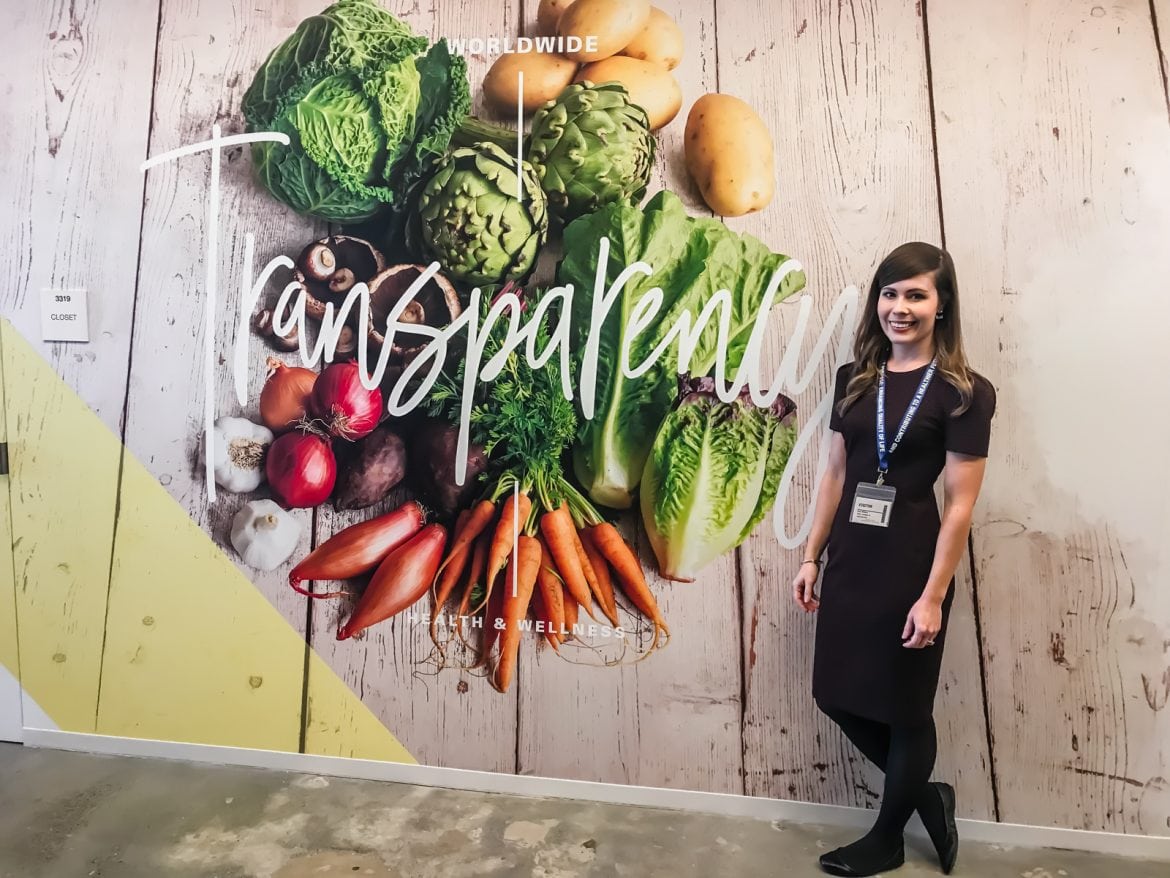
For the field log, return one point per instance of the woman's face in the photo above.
(906, 310)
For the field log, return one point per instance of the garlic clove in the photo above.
(264, 535)
(239, 447)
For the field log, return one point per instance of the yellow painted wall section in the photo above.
(193, 652)
(9, 654)
(63, 466)
(338, 723)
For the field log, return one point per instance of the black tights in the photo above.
(906, 755)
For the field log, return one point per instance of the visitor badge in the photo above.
(872, 504)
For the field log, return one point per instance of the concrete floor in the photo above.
(73, 815)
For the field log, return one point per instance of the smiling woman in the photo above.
(890, 573)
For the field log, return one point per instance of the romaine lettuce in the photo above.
(692, 259)
(712, 475)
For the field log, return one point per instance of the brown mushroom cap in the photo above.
(328, 268)
(317, 261)
(436, 305)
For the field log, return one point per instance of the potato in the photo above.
(549, 13)
(545, 77)
(651, 87)
(612, 23)
(660, 41)
(728, 154)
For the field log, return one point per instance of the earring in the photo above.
(938, 316)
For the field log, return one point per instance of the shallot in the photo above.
(399, 581)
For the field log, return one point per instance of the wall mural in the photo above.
(452, 386)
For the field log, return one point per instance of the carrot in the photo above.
(552, 598)
(470, 524)
(515, 508)
(628, 570)
(448, 576)
(521, 580)
(478, 563)
(357, 548)
(560, 535)
(604, 591)
(475, 574)
(493, 611)
(539, 612)
(570, 606)
(400, 580)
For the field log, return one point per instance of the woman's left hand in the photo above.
(922, 624)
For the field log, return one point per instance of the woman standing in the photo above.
(888, 581)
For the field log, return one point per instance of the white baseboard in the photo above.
(760, 808)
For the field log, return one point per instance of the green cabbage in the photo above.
(692, 258)
(712, 475)
(364, 111)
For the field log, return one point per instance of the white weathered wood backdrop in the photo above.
(1031, 137)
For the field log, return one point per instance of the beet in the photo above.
(371, 471)
(433, 449)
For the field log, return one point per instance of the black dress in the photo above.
(873, 575)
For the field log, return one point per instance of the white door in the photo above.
(11, 725)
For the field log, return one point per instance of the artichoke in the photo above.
(470, 219)
(591, 147)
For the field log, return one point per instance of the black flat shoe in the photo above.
(946, 837)
(834, 864)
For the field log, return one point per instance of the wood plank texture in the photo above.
(694, 682)
(1160, 9)
(1052, 138)
(455, 718)
(73, 203)
(1052, 125)
(843, 89)
(202, 76)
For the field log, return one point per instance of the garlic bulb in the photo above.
(264, 534)
(239, 446)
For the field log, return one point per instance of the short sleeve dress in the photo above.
(873, 575)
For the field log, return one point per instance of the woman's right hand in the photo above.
(803, 587)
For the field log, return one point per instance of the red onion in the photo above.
(301, 469)
(339, 399)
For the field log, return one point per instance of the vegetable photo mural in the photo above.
(458, 381)
(492, 424)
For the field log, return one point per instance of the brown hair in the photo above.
(871, 348)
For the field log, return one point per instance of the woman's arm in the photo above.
(962, 479)
(828, 499)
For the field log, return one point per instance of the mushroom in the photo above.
(436, 305)
(262, 323)
(342, 281)
(346, 341)
(318, 262)
(328, 268)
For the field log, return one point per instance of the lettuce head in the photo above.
(712, 475)
(692, 258)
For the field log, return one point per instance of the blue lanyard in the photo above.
(882, 452)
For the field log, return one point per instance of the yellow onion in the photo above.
(284, 401)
